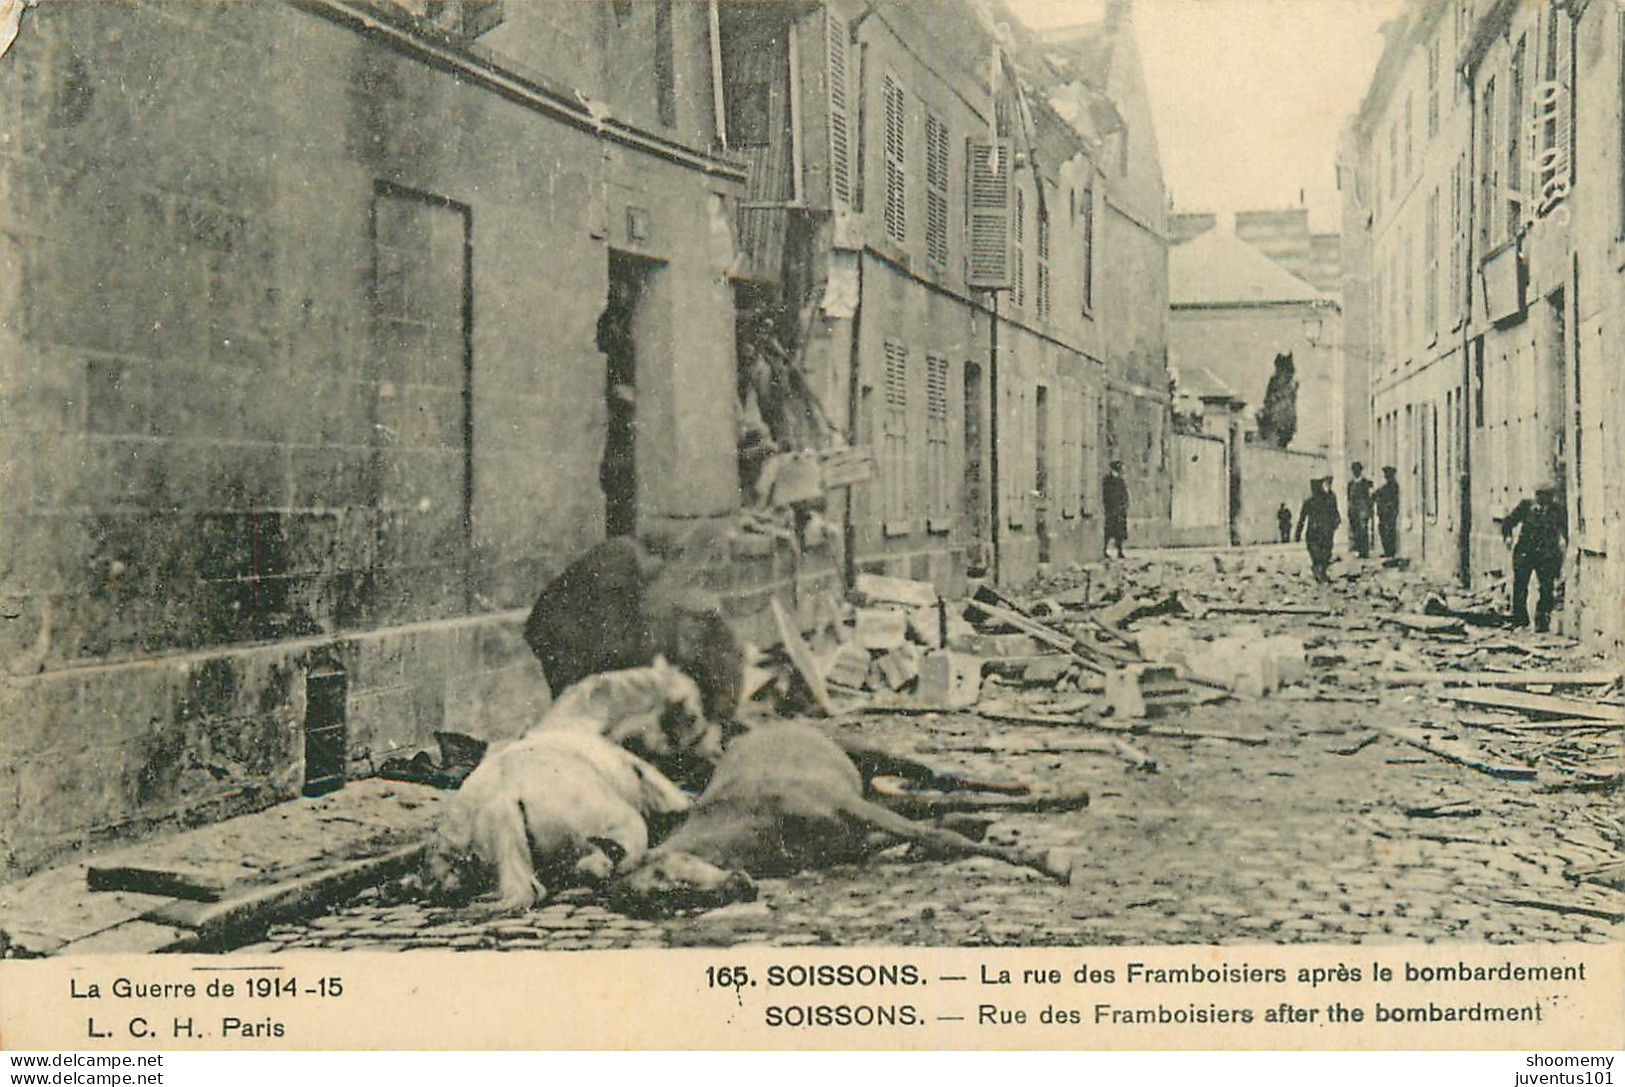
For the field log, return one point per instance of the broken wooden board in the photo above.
(923, 803)
(801, 656)
(1470, 759)
(1502, 679)
(1428, 624)
(1019, 717)
(1037, 631)
(1539, 705)
(876, 589)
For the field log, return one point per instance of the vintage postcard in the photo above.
(812, 524)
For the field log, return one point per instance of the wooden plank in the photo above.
(801, 656)
(1539, 705)
(1503, 679)
(1428, 624)
(1461, 758)
(1036, 630)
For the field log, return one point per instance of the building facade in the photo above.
(304, 364)
(948, 258)
(1485, 163)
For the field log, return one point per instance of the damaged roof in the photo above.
(1220, 269)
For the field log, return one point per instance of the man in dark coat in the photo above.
(1360, 503)
(1387, 506)
(1283, 521)
(1114, 500)
(1317, 525)
(1541, 543)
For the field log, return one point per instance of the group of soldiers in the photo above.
(1541, 525)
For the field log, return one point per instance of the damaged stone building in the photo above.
(303, 396)
(1484, 169)
(954, 251)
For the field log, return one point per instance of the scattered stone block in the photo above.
(900, 667)
(949, 679)
(925, 627)
(1145, 690)
(848, 667)
(1045, 671)
(875, 589)
(880, 628)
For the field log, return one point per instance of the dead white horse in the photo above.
(655, 712)
(555, 807)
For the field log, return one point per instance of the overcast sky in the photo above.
(1249, 95)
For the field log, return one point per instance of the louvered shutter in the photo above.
(987, 199)
(936, 191)
(840, 133)
(895, 459)
(896, 155)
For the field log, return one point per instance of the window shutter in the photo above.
(939, 509)
(896, 148)
(987, 199)
(895, 463)
(936, 191)
(840, 135)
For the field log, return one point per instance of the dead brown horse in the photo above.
(785, 797)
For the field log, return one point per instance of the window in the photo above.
(1018, 250)
(1408, 331)
(936, 191)
(894, 441)
(1487, 175)
(1514, 139)
(1410, 162)
(896, 148)
(1430, 260)
(1393, 159)
(1458, 243)
(1376, 183)
(1043, 259)
(1431, 489)
(1068, 466)
(1433, 87)
(665, 71)
(1086, 274)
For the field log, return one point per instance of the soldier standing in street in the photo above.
(1387, 506)
(1283, 521)
(1317, 525)
(1114, 500)
(1360, 502)
(1539, 551)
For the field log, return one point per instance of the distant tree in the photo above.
(1278, 418)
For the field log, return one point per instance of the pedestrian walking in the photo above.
(1317, 525)
(1114, 500)
(1360, 507)
(1283, 521)
(1386, 502)
(1542, 539)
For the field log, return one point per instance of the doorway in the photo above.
(1041, 474)
(618, 339)
(975, 487)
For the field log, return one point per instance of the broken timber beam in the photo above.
(1039, 631)
(1503, 679)
(801, 656)
(1539, 705)
(1432, 747)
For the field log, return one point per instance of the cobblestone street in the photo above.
(1330, 830)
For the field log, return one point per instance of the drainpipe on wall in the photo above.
(719, 103)
(993, 435)
(849, 536)
(1469, 418)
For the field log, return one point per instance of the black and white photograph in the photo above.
(549, 476)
